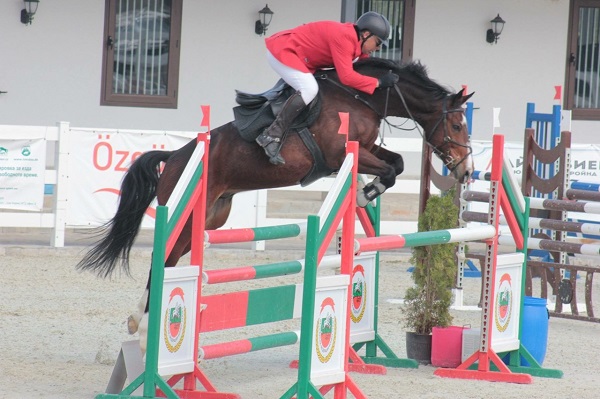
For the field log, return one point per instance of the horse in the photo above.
(237, 165)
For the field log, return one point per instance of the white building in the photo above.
(52, 68)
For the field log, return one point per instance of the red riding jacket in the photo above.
(322, 44)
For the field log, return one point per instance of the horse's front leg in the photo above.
(385, 165)
(391, 158)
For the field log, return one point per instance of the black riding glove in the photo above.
(388, 80)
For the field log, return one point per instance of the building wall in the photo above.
(524, 66)
(52, 68)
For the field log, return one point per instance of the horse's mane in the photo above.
(414, 72)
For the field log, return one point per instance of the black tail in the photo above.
(118, 235)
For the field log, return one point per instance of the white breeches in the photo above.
(303, 82)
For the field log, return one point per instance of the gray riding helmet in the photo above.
(375, 23)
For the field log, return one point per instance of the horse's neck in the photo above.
(416, 105)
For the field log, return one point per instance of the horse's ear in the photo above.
(460, 99)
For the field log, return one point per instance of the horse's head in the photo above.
(438, 111)
(449, 136)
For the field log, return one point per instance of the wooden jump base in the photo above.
(561, 276)
(485, 360)
(486, 356)
(557, 247)
(485, 364)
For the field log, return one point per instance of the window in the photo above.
(141, 53)
(583, 81)
(400, 14)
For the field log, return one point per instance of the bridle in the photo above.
(448, 160)
(445, 156)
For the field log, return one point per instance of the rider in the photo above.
(296, 54)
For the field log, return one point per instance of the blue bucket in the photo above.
(534, 330)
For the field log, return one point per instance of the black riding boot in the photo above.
(271, 138)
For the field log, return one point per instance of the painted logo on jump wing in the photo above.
(325, 331)
(504, 299)
(175, 320)
(359, 293)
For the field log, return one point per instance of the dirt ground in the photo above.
(61, 332)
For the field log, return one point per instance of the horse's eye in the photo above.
(456, 127)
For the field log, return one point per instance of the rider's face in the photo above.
(373, 43)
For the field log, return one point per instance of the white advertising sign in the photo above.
(97, 163)
(585, 167)
(506, 304)
(585, 160)
(22, 173)
(178, 320)
(329, 334)
(362, 314)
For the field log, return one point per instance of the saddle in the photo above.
(256, 112)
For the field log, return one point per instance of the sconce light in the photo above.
(493, 34)
(29, 11)
(260, 28)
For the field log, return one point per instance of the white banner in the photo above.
(585, 160)
(22, 172)
(585, 167)
(98, 161)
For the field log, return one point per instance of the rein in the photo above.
(447, 139)
(352, 93)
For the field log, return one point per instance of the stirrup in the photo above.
(264, 140)
(272, 150)
(277, 160)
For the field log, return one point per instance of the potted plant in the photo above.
(427, 303)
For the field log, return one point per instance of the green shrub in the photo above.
(427, 303)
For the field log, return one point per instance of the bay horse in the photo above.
(237, 165)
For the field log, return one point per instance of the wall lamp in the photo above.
(29, 11)
(261, 25)
(493, 34)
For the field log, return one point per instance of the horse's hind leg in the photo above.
(133, 321)
(138, 320)
(219, 212)
(385, 165)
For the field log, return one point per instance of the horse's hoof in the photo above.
(132, 325)
(143, 332)
(369, 193)
(361, 200)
